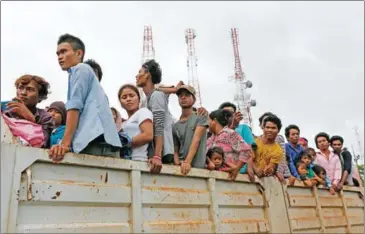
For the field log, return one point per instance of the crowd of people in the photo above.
(87, 124)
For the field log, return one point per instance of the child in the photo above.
(321, 177)
(304, 173)
(216, 156)
(312, 153)
(58, 113)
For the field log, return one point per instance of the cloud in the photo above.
(305, 59)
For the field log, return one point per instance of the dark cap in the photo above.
(61, 108)
(188, 88)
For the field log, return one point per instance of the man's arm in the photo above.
(158, 104)
(47, 123)
(292, 167)
(78, 91)
(80, 83)
(338, 172)
(176, 147)
(199, 132)
(347, 166)
(71, 124)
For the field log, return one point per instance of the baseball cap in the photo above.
(188, 88)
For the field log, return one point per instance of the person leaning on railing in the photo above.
(30, 90)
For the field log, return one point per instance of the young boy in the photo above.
(58, 112)
(90, 128)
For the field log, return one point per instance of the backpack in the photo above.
(28, 133)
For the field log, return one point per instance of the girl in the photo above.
(236, 151)
(58, 112)
(139, 124)
(321, 177)
(216, 155)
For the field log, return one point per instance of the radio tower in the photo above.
(191, 63)
(148, 49)
(147, 54)
(242, 97)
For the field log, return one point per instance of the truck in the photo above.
(92, 194)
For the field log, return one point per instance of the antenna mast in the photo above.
(191, 63)
(147, 54)
(148, 49)
(242, 97)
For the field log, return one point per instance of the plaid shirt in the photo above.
(234, 147)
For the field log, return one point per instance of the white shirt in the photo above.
(132, 128)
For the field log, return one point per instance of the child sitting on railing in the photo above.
(322, 178)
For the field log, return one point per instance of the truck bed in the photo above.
(91, 194)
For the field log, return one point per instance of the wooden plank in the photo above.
(214, 209)
(318, 209)
(345, 212)
(275, 206)
(136, 207)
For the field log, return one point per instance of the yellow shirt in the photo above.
(267, 153)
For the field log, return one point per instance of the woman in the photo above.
(236, 151)
(139, 124)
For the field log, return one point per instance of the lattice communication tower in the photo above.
(192, 64)
(241, 97)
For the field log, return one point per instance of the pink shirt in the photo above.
(234, 147)
(332, 166)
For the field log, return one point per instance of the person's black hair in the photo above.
(263, 116)
(228, 104)
(336, 138)
(274, 119)
(222, 116)
(154, 69)
(291, 126)
(298, 163)
(307, 150)
(321, 134)
(213, 150)
(95, 66)
(75, 43)
(301, 155)
(317, 169)
(194, 109)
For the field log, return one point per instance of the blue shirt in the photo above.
(57, 135)
(246, 133)
(292, 155)
(86, 95)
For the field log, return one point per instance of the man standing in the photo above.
(346, 161)
(292, 148)
(327, 159)
(157, 102)
(90, 128)
(268, 153)
(189, 133)
(282, 171)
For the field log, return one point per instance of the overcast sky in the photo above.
(305, 59)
